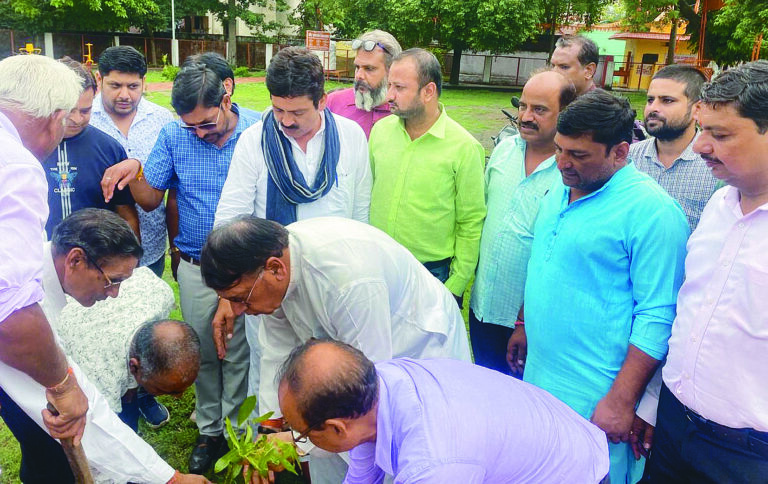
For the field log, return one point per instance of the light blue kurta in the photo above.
(513, 201)
(604, 273)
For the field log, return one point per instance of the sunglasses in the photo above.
(368, 45)
(203, 126)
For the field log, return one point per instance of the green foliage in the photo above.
(258, 454)
(169, 72)
(97, 15)
(242, 71)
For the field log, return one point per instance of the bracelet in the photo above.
(175, 478)
(59, 387)
(140, 174)
(519, 322)
(173, 250)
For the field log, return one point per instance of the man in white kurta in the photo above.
(338, 279)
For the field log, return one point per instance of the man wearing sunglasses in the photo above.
(193, 156)
(90, 254)
(366, 102)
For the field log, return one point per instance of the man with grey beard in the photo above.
(365, 103)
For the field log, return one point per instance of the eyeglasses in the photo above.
(248, 298)
(203, 126)
(303, 437)
(109, 283)
(368, 45)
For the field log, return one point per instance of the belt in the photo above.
(745, 438)
(437, 264)
(189, 259)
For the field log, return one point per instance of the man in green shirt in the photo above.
(427, 174)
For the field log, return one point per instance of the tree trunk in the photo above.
(552, 30)
(456, 65)
(232, 32)
(672, 43)
(153, 51)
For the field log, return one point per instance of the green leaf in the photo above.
(232, 435)
(231, 456)
(264, 417)
(246, 408)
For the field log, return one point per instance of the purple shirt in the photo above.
(343, 103)
(23, 212)
(443, 421)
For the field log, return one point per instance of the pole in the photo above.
(174, 42)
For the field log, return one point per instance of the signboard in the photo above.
(318, 40)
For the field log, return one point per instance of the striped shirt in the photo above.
(688, 180)
(197, 169)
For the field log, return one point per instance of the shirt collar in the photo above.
(522, 145)
(616, 178)
(732, 200)
(142, 110)
(384, 436)
(687, 155)
(7, 125)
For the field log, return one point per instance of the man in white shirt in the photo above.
(91, 253)
(335, 278)
(322, 150)
(712, 421)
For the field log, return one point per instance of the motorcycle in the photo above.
(510, 129)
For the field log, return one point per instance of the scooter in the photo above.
(510, 129)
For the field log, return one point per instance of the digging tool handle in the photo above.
(76, 457)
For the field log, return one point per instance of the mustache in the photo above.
(529, 125)
(655, 116)
(711, 158)
(293, 126)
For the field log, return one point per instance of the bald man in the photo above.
(404, 418)
(519, 173)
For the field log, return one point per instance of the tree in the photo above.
(37, 16)
(640, 13)
(745, 20)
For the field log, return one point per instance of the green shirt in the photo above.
(428, 193)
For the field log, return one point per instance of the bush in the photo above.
(242, 71)
(169, 71)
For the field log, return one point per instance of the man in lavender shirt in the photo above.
(365, 103)
(434, 421)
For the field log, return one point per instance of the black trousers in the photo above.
(42, 459)
(489, 344)
(687, 450)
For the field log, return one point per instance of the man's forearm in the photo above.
(130, 215)
(28, 345)
(633, 377)
(148, 197)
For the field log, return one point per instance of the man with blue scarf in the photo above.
(193, 157)
(300, 162)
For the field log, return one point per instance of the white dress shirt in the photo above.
(353, 283)
(718, 348)
(115, 452)
(245, 191)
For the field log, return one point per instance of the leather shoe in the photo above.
(207, 450)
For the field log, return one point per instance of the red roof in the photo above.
(646, 35)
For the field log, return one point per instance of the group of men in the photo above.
(319, 240)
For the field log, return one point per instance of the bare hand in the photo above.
(641, 437)
(223, 327)
(119, 174)
(175, 260)
(614, 417)
(191, 479)
(71, 405)
(517, 350)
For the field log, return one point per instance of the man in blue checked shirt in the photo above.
(193, 157)
(606, 264)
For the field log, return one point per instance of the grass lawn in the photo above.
(479, 111)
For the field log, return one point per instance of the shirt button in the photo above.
(741, 225)
(562, 215)
(679, 391)
(725, 263)
(693, 339)
(685, 375)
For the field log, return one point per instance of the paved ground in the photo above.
(166, 86)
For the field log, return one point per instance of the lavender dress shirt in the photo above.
(445, 421)
(343, 103)
(717, 352)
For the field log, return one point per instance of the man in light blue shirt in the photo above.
(606, 265)
(519, 173)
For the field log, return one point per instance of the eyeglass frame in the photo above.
(204, 126)
(245, 301)
(93, 262)
(303, 437)
(362, 44)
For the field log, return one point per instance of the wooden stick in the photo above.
(76, 457)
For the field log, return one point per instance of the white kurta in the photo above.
(115, 452)
(353, 283)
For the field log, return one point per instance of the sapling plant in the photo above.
(259, 454)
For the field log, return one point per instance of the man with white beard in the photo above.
(365, 103)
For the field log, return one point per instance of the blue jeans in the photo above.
(441, 269)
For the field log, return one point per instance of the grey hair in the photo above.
(387, 40)
(159, 356)
(38, 86)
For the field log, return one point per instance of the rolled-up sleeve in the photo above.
(23, 212)
(657, 267)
